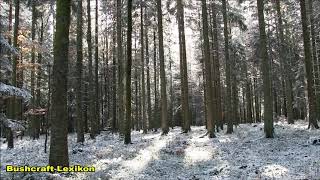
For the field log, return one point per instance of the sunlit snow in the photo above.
(245, 154)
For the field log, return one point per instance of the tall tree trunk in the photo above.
(35, 122)
(120, 67)
(15, 58)
(268, 113)
(114, 84)
(155, 76)
(184, 69)
(308, 66)
(13, 101)
(59, 132)
(80, 128)
(149, 111)
(127, 134)
(314, 58)
(96, 113)
(144, 116)
(91, 103)
(228, 71)
(287, 69)
(164, 110)
(216, 78)
(39, 73)
(208, 75)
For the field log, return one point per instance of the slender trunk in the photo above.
(39, 73)
(208, 75)
(288, 90)
(316, 69)
(164, 110)
(149, 111)
(96, 121)
(268, 113)
(91, 103)
(155, 76)
(34, 120)
(144, 116)
(120, 67)
(308, 66)
(80, 129)
(114, 84)
(217, 84)
(256, 101)
(228, 71)
(183, 69)
(127, 137)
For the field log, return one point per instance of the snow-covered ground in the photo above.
(245, 154)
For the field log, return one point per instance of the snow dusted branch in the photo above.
(14, 125)
(8, 91)
(5, 44)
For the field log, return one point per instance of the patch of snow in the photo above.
(245, 154)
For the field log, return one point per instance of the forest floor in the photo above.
(245, 154)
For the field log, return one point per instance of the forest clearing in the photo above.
(160, 89)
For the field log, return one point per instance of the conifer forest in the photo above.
(159, 89)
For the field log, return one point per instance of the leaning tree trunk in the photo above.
(59, 141)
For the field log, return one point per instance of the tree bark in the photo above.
(91, 115)
(308, 66)
(268, 112)
(184, 69)
(207, 72)
(149, 111)
(228, 71)
(143, 91)
(80, 128)
(164, 111)
(95, 128)
(35, 121)
(120, 67)
(59, 142)
(287, 69)
(127, 135)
